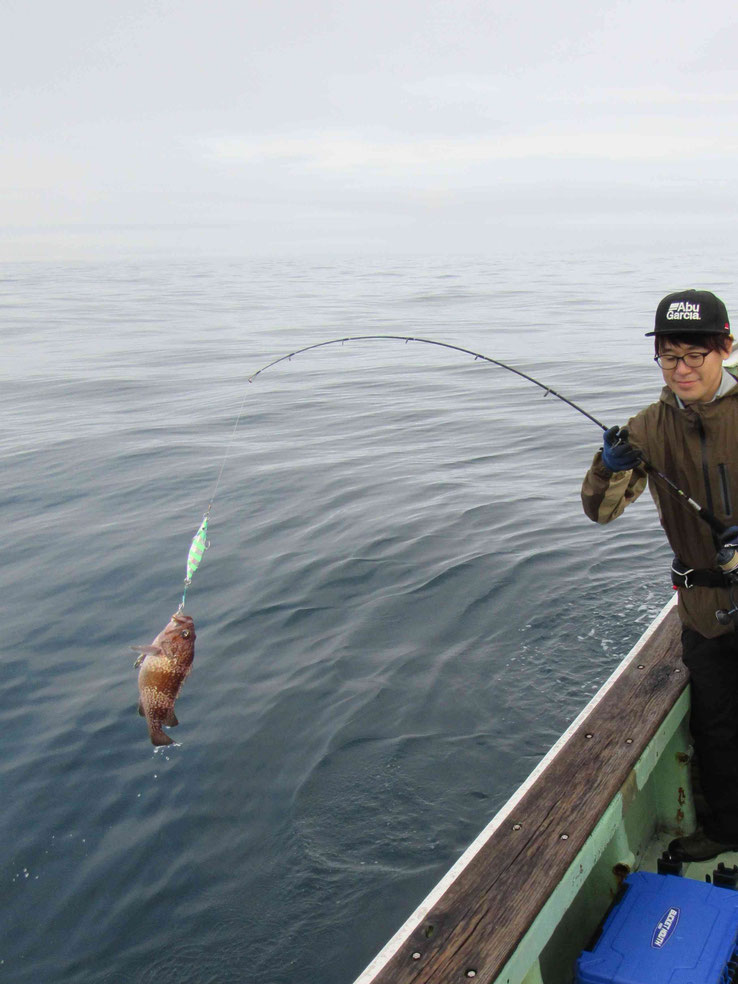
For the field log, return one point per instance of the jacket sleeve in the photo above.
(605, 494)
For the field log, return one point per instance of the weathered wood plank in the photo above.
(477, 923)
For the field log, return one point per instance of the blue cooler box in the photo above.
(666, 930)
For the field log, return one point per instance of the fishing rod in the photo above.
(200, 542)
(702, 512)
(429, 341)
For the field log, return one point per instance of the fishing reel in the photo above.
(727, 561)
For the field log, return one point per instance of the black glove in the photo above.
(617, 454)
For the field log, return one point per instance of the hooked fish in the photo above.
(164, 665)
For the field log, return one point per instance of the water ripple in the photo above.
(401, 608)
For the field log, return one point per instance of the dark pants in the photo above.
(713, 671)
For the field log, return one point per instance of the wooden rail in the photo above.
(474, 927)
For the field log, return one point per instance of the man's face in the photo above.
(694, 384)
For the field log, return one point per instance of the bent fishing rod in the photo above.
(708, 517)
(200, 542)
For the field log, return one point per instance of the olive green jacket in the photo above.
(697, 448)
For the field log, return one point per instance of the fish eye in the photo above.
(185, 633)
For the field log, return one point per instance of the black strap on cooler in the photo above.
(683, 576)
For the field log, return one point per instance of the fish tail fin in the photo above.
(171, 720)
(159, 738)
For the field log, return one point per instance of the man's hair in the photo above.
(711, 341)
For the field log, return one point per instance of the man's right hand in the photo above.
(617, 454)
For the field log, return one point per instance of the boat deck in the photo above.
(699, 870)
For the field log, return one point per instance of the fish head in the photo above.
(178, 637)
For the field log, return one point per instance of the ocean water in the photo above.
(401, 608)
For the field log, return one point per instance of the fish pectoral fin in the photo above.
(145, 651)
(171, 720)
(141, 710)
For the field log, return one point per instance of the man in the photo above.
(691, 435)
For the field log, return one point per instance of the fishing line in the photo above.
(200, 542)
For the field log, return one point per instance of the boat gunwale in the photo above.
(397, 941)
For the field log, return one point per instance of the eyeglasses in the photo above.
(692, 359)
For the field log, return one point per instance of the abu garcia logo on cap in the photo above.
(683, 311)
(694, 311)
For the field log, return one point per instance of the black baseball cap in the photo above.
(698, 312)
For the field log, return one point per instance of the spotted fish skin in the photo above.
(164, 665)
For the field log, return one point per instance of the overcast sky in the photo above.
(410, 123)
